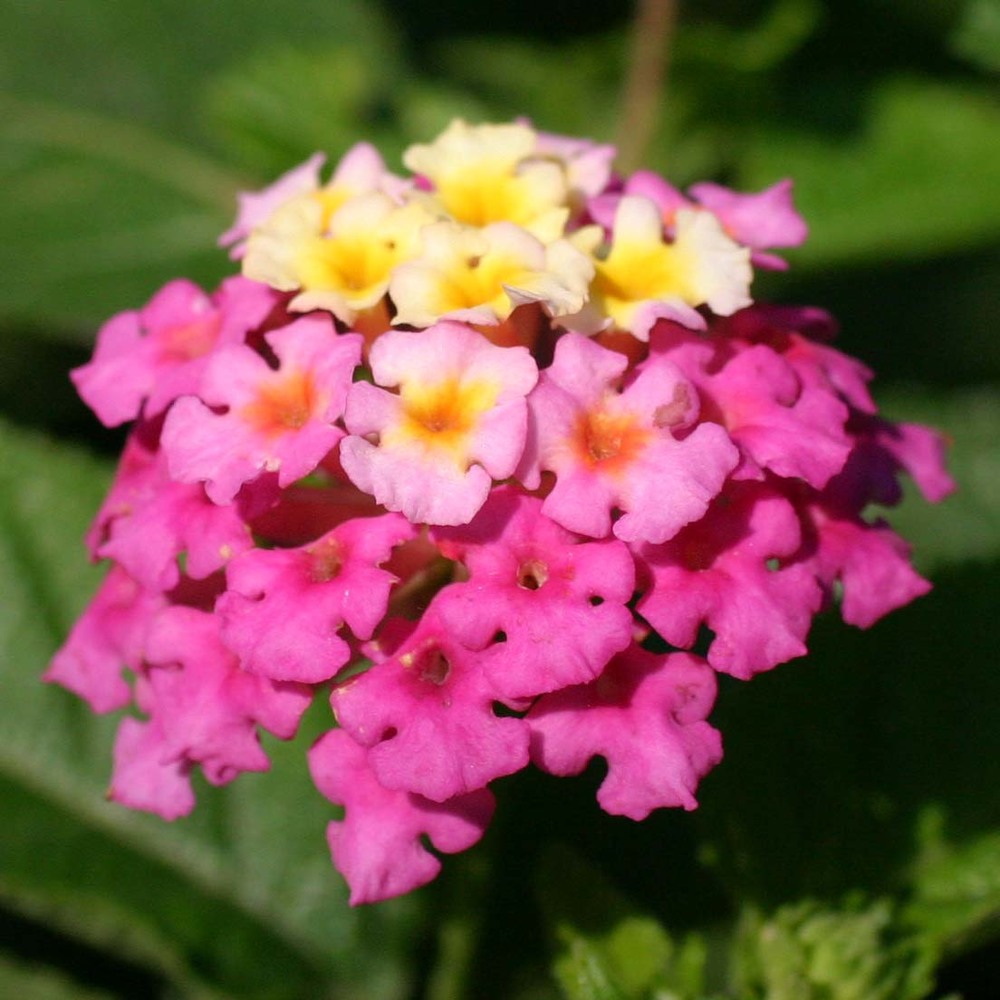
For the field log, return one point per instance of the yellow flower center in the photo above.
(441, 417)
(634, 273)
(355, 265)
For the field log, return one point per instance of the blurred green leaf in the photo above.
(956, 899)
(251, 860)
(922, 178)
(807, 951)
(977, 37)
(606, 949)
(110, 184)
(147, 60)
(98, 212)
(36, 982)
(288, 103)
(762, 46)
(831, 760)
(571, 87)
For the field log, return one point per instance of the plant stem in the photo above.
(645, 85)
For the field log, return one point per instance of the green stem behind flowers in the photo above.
(648, 62)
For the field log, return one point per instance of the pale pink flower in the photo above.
(458, 421)
(276, 420)
(617, 450)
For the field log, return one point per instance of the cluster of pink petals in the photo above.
(529, 531)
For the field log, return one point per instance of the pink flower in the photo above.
(145, 360)
(203, 709)
(276, 420)
(148, 521)
(799, 335)
(285, 608)
(869, 561)
(792, 429)
(645, 716)
(611, 449)
(558, 600)
(457, 423)
(143, 779)
(427, 716)
(475, 546)
(718, 572)
(378, 845)
(758, 221)
(361, 170)
(256, 206)
(109, 635)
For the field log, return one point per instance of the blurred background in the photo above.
(849, 846)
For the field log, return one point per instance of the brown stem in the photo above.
(645, 85)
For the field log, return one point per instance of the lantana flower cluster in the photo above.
(500, 457)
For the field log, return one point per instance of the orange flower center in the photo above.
(282, 405)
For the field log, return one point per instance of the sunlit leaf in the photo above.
(920, 178)
(98, 213)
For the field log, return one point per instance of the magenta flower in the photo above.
(559, 600)
(719, 572)
(285, 608)
(378, 844)
(779, 423)
(645, 715)
(203, 710)
(529, 431)
(149, 520)
(427, 714)
(109, 635)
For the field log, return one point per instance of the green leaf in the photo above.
(568, 87)
(37, 982)
(111, 185)
(832, 759)
(921, 177)
(782, 30)
(956, 899)
(977, 37)
(807, 951)
(607, 950)
(100, 212)
(239, 897)
(147, 62)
